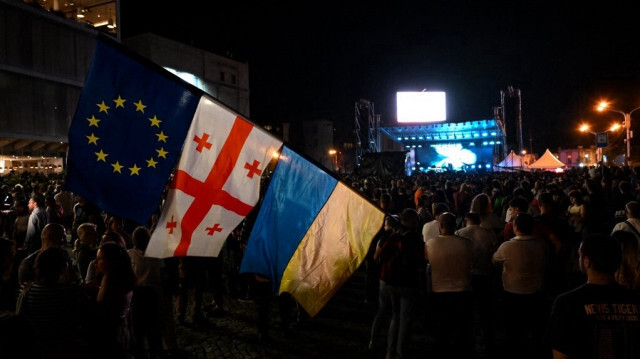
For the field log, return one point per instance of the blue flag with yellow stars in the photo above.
(127, 132)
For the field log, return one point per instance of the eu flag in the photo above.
(127, 132)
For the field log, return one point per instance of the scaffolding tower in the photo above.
(511, 113)
(367, 129)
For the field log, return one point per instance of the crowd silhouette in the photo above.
(496, 260)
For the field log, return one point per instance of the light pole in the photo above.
(334, 158)
(602, 106)
(585, 128)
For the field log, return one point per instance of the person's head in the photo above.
(88, 233)
(518, 204)
(409, 218)
(113, 261)
(633, 209)
(472, 218)
(625, 187)
(438, 209)
(599, 253)
(140, 238)
(575, 197)
(53, 266)
(391, 222)
(626, 273)
(523, 224)
(49, 201)
(53, 235)
(112, 237)
(385, 201)
(115, 224)
(447, 223)
(36, 201)
(22, 207)
(481, 204)
(545, 201)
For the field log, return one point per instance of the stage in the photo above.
(471, 145)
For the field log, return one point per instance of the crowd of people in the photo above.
(550, 259)
(75, 282)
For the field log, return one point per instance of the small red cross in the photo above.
(214, 229)
(171, 225)
(202, 142)
(253, 169)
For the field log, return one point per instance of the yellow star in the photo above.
(93, 121)
(103, 107)
(93, 139)
(151, 163)
(102, 156)
(162, 153)
(119, 102)
(117, 167)
(155, 121)
(134, 170)
(139, 106)
(162, 137)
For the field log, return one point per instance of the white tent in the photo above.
(512, 162)
(548, 162)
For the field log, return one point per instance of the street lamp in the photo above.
(586, 128)
(334, 154)
(602, 106)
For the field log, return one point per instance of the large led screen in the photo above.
(454, 156)
(421, 107)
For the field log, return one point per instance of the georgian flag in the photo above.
(216, 184)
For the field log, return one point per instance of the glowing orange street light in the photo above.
(586, 128)
(604, 106)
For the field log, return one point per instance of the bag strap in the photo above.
(635, 231)
(22, 296)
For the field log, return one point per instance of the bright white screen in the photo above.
(421, 106)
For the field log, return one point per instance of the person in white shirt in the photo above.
(524, 261)
(632, 223)
(432, 229)
(451, 301)
(484, 244)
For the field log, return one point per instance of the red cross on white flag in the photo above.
(216, 185)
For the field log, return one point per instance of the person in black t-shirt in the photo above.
(599, 319)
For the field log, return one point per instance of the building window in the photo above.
(222, 76)
(233, 79)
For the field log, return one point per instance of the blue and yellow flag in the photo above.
(129, 127)
(311, 234)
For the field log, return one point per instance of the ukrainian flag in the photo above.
(311, 234)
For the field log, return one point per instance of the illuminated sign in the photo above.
(421, 107)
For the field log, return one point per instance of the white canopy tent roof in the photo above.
(511, 162)
(548, 162)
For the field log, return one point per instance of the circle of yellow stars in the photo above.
(101, 156)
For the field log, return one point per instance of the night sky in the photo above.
(314, 60)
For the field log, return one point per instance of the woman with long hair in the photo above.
(627, 274)
(113, 311)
